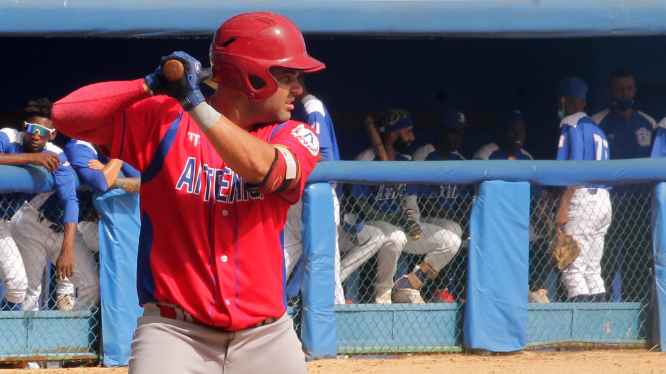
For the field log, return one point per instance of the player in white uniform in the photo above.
(12, 270)
(39, 227)
(584, 211)
(310, 110)
(380, 209)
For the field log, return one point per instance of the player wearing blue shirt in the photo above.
(659, 142)
(40, 230)
(308, 109)
(379, 208)
(584, 211)
(629, 132)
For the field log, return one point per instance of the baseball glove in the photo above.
(563, 249)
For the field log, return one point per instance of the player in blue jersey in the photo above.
(511, 134)
(378, 206)
(584, 211)
(101, 174)
(443, 205)
(659, 140)
(45, 227)
(629, 132)
(309, 109)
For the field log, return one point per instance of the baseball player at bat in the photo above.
(380, 208)
(584, 211)
(217, 179)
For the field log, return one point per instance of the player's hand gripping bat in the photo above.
(381, 153)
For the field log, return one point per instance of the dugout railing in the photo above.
(497, 266)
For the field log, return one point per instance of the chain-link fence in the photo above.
(44, 317)
(397, 294)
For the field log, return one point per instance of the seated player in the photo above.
(510, 126)
(445, 205)
(584, 211)
(379, 207)
(45, 227)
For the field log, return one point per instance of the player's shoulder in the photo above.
(485, 151)
(575, 119)
(13, 135)
(305, 135)
(402, 157)
(526, 155)
(313, 105)
(423, 152)
(76, 144)
(597, 118)
(456, 156)
(367, 155)
(649, 119)
(50, 147)
(662, 123)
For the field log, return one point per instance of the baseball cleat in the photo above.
(407, 296)
(66, 301)
(539, 296)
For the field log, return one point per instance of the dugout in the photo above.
(480, 56)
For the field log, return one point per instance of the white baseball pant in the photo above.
(37, 243)
(90, 232)
(440, 243)
(589, 218)
(12, 271)
(293, 244)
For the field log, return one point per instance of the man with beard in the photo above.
(379, 207)
(629, 133)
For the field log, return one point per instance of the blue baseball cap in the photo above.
(452, 119)
(573, 86)
(505, 118)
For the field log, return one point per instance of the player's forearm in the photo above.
(132, 185)
(247, 155)
(69, 236)
(15, 159)
(88, 112)
(111, 171)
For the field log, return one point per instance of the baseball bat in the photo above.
(173, 70)
(381, 153)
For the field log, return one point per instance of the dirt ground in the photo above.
(612, 361)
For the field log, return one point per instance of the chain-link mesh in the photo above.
(603, 297)
(63, 323)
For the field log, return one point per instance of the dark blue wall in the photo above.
(364, 73)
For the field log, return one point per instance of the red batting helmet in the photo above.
(247, 45)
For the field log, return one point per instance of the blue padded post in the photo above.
(119, 228)
(498, 267)
(659, 244)
(318, 332)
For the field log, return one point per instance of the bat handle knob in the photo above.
(173, 70)
(416, 237)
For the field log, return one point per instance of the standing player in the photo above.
(216, 183)
(380, 209)
(308, 109)
(584, 211)
(39, 227)
(629, 133)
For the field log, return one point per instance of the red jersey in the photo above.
(207, 244)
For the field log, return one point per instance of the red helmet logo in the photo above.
(247, 45)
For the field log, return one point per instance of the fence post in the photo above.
(659, 245)
(318, 332)
(498, 268)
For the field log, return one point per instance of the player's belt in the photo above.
(175, 312)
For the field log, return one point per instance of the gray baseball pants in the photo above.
(166, 346)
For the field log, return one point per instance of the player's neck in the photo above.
(390, 152)
(626, 114)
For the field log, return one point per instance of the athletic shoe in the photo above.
(31, 365)
(66, 301)
(383, 296)
(443, 296)
(407, 296)
(540, 296)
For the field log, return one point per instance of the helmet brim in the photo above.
(304, 64)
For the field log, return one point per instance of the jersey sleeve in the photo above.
(322, 127)
(139, 129)
(4, 142)
(304, 143)
(129, 171)
(571, 145)
(79, 156)
(66, 189)
(659, 143)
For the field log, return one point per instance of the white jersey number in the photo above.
(600, 147)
